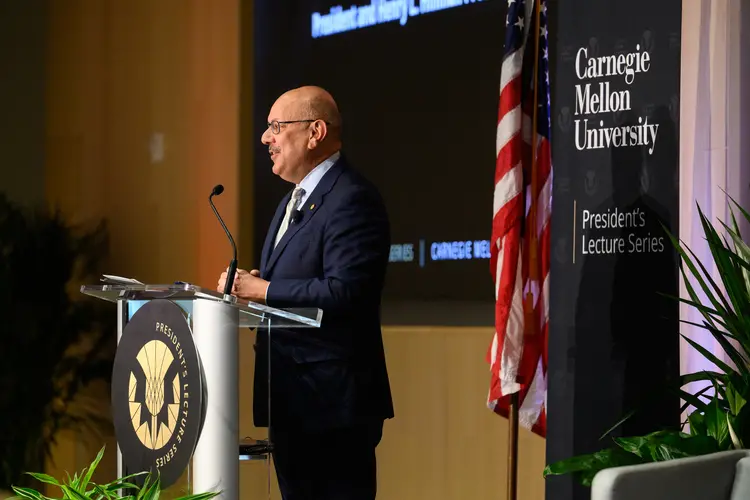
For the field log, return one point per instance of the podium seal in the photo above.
(158, 399)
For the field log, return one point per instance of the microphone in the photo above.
(296, 217)
(218, 189)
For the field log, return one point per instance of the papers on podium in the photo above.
(118, 280)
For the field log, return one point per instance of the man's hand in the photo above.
(223, 282)
(247, 285)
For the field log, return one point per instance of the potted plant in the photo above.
(81, 487)
(56, 341)
(720, 416)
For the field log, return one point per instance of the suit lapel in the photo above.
(311, 206)
(271, 235)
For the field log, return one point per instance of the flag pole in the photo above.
(513, 447)
(530, 323)
(533, 250)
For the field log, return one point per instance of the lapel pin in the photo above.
(312, 206)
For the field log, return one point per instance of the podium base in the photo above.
(255, 449)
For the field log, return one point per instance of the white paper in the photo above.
(119, 280)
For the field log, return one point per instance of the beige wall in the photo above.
(120, 72)
(22, 59)
(444, 443)
(120, 75)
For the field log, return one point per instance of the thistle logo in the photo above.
(157, 367)
(158, 399)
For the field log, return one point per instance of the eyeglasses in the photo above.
(275, 125)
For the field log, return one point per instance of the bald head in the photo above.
(313, 102)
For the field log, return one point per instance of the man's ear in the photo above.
(318, 132)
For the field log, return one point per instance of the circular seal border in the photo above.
(140, 330)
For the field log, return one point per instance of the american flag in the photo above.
(521, 221)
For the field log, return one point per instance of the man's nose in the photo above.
(266, 137)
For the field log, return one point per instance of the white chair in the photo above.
(718, 476)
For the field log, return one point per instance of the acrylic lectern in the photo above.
(175, 381)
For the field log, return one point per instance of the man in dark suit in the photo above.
(327, 247)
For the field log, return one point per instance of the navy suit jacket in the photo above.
(333, 258)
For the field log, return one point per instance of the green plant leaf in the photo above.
(124, 482)
(735, 226)
(726, 331)
(716, 423)
(150, 491)
(584, 467)
(700, 376)
(103, 493)
(44, 478)
(90, 472)
(734, 354)
(697, 423)
(658, 446)
(739, 385)
(729, 266)
(133, 475)
(719, 383)
(719, 301)
(693, 399)
(120, 485)
(618, 424)
(708, 355)
(741, 425)
(199, 496)
(703, 309)
(733, 434)
(740, 246)
(667, 445)
(739, 207)
(71, 493)
(735, 399)
(688, 261)
(29, 493)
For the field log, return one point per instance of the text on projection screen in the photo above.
(340, 19)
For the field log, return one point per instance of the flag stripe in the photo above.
(507, 188)
(511, 68)
(508, 128)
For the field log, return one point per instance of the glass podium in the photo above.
(175, 382)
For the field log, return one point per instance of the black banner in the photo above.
(614, 339)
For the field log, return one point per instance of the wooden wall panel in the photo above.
(122, 76)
